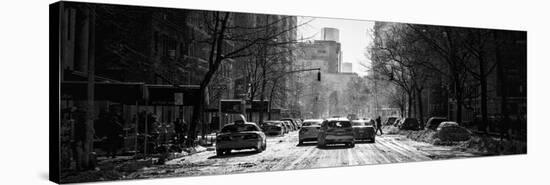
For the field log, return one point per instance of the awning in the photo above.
(132, 92)
(122, 92)
(165, 94)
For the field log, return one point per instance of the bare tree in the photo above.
(228, 41)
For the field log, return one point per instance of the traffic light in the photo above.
(319, 76)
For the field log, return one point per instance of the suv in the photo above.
(336, 131)
(434, 122)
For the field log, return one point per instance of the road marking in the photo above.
(350, 158)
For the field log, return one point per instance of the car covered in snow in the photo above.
(240, 135)
(287, 125)
(335, 131)
(292, 123)
(451, 131)
(309, 131)
(434, 122)
(364, 130)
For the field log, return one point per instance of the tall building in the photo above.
(332, 34)
(320, 53)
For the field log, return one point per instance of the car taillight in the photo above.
(251, 136)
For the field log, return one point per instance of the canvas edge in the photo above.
(54, 54)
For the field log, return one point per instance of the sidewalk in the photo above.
(108, 169)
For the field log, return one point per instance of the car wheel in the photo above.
(352, 145)
(227, 152)
(219, 152)
(300, 143)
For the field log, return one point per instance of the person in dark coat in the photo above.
(114, 132)
(379, 125)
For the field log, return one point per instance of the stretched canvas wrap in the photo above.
(147, 92)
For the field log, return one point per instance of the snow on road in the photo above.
(283, 153)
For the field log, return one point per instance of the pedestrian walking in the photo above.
(379, 126)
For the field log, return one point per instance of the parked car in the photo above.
(364, 130)
(336, 131)
(309, 131)
(292, 123)
(272, 127)
(398, 122)
(240, 135)
(391, 120)
(409, 124)
(434, 122)
(298, 123)
(288, 126)
(451, 131)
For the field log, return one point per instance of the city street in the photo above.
(283, 154)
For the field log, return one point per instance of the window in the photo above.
(240, 128)
(339, 124)
(311, 123)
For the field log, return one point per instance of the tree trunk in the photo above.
(271, 97)
(458, 98)
(196, 118)
(262, 97)
(504, 95)
(419, 103)
(409, 104)
(483, 82)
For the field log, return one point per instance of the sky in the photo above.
(355, 36)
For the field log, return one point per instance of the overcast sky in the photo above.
(354, 37)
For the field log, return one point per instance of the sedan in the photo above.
(240, 135)
(273, 128)
(309, 131)
(364, 130)
(336, 131)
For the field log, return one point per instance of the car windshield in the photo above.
(239, 128)
(311, 123)
(339, 124)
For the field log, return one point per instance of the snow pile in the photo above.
(426, 136)
(451, 132)
(91, 176)
(391, 130)
(493, 146)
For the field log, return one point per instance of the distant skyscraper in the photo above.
(332, 34)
